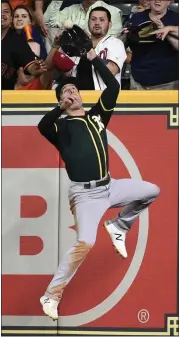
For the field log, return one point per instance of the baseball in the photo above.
(68, 24)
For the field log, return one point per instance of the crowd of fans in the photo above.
(140, 49)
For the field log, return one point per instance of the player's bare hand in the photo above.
(56, 42)
(66, 103)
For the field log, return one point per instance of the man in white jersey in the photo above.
(107, 47)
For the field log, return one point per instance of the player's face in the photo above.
(70, 92)
(99, 24)
(21, 18)
(6, 16)
(159, 6)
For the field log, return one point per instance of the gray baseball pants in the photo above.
(88, 207)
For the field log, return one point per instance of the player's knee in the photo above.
(84, 248)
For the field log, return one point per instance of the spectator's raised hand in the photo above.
(37, 68)
(158, 22)
(22, 78)
(56, 41)
(162, 32)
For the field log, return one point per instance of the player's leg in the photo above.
(88, 209)
(135, 196)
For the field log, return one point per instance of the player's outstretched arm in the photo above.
(107, 101)
(110, 94)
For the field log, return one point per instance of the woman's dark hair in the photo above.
(28, 10)
(7, 2)
(101, 9)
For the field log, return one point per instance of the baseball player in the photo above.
(81, 139)
(107, 47)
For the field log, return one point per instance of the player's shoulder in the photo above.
(94, 110)
(111, 40)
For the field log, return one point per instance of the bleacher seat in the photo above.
(174, 7)
(124, 7)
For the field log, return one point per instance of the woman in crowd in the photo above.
(23, 23)
(15, 51)
(15, 3)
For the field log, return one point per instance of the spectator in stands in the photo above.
(15, 3)
(54, 59)
(142, 6)
(79, 14)
(48, 6)
(23, 18)
(15, 51)
(154, 64)
(163, 32)
(109, 48)
(40, 8)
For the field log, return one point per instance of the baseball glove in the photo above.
(141, 33)
(75, 42)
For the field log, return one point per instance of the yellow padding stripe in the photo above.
(97, 152)
(100, 141)
(104, 106)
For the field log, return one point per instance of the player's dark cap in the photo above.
(65, 81)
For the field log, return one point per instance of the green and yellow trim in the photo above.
(103, 107)
(96, 148)
(100, 142)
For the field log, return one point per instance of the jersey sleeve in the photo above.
(50, 125)
(102, 107)
(107, 101)
(116, 53)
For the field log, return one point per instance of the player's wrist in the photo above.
(91, 54)
(55, 46)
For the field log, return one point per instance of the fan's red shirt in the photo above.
(35, 84)
(15, 3)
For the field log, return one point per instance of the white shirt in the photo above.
(111, 49)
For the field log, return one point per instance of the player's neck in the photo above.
(96, 40)
(76, 113)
